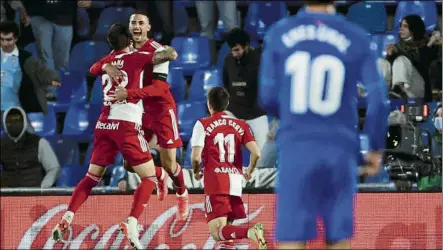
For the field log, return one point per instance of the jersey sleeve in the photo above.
(248, 136)
(198, 135)
(268, 88)
(377, 113)
(97, 68)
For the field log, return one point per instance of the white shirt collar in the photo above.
(13, 53)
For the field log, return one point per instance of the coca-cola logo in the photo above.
(112, 238)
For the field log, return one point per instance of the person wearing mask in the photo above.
(23, 77)
(409, 59)
(27, 159)
(240, 79)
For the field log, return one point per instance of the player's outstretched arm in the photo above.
(97, 68)
(197, 144)
(166, 55)
(255, 155)
(268, 88)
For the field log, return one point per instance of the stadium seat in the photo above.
(71, 174)
(184, 3)
(370, 15)
(202, 81)
(426, 9)
(180, 20)
(97, 92)
(220, 31)
(32, 48)
(382, 41)
(118, 172)
(188, 114)
(246, 156)
(109, 16)
(67, 151)
(73, 90)
(86, 53)
(193, 53)
(44, 125)
(187, 157)
(177, 84)
(80, 121)
(83, 23)
(224, 51)
(263, 14)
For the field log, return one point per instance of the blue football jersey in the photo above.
(310, 68)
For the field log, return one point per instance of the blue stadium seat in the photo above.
(224, 51)
(109, 16)
(177, 84)
(79, 123)
(118, 172)
(187, 157)
(188, 114)
(86, 53)
(97, 92)
(44, 125)
(202, 81)
(73, 90)
(67, 151)
(382, 41)
(184, 3)
(193, 53)
(83, 23)
(426, 9)
(180, 20)
(246, 156)
(70, 175)
(32, 48)
(370, 15)
(263, 14)
(220, 31)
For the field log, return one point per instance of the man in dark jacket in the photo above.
(240, 78)
(24, 77)
(27, 159)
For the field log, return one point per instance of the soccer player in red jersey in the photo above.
(216, 144)
(161, 110)
(119, 129)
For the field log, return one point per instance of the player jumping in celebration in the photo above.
(119, 129)
(161, 111)
(219, 138)
(311, 65)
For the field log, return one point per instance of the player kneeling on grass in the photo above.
(219, 138)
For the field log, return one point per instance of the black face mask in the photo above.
(14, 125)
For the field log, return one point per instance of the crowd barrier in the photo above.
(383, 221)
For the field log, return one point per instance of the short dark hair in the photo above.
(8, 26)
(141, 12)
(118, 36)
(237, 36)
(416, 26)
(218, 99)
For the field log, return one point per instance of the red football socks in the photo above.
(158, 172)
(178, 180)
(230, 232)
(142, 195)
(82, 191)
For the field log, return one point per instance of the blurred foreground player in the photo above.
(119, 129)
(216, 144)
(311, 65)
(160, 117)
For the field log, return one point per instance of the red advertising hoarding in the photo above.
(383, 221)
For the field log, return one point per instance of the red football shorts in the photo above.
(112, 136)
(228, 206)
(164, 124)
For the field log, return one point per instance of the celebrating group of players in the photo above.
(310, 68)
(137, 105)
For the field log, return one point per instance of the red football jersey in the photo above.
(131, 65)
(222, 137)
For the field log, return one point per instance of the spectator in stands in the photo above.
(410, 58)
(52, 28)
(268, 157)
(240, 78)
(437, 141)
(435, 71)
(24, 77)
(227, 11)
(15, 6)
(27, 159)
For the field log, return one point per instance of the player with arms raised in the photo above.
(216, 144)
(311, 65)
(161, 111)
(119, 129)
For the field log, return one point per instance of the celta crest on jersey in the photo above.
(118, 63)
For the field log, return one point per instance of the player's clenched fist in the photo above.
(373, 164)
(247, 173)
(198, 175)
